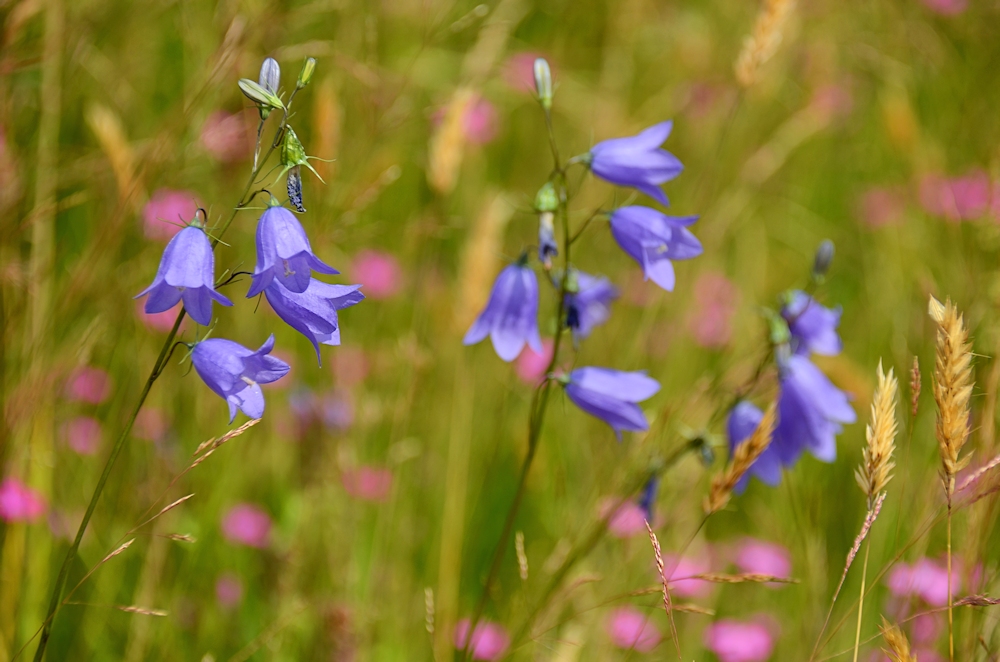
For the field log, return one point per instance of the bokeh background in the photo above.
(357, 519)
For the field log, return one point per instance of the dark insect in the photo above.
(294, 185)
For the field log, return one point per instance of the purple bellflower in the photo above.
(236, 373)
(313, 313)
(611, 396)
(743, 420)
(813, 326)
(653, 239)
(648, 497)
(186, 272)
(811, 411)
(284, 253)
(510, 318)
(590, 304)
(637, 161)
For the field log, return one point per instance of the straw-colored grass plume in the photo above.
(952, 389)
(762, 43)
(448, 142)
(743, 456)
(915, 387)
(898, 646)
(876, 467)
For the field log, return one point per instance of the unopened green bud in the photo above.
(308, 67)
(543, 82)
(270, 75)
(547, 199)
(777, 328)
(262, 97)
(292, 151)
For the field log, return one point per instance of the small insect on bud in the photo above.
(823, 260)
(308, 67)
(543, 82)
(270, 75)
(294, 186)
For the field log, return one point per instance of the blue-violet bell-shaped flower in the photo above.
(611, 396)
(283, 253)
(637, 161)
(743, 420)
(186, 272)
(313, 313)
(811, 411)
(590, 304)
(236, 373)
(510, 318)
(654, 239)
(647, 499)
(813, 327)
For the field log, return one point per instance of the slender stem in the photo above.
(951, 624)
(861, 600)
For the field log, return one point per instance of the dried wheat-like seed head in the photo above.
(876, 467)
(952, 389)
(899, 647)
(744, 456)
(914, 387)
(448, 142)
(763, 42)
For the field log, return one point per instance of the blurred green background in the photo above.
(386, 473)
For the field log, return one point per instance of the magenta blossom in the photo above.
(20, 503)
(715, 303)
(378, 272)
(628, 520)
(83, 434)
(167, 212)
(764, 558)
(489, 641)
(926, 578)
(739, 641)
(530, 365)
(225, 136)
(90, 385)
(963, 198)
(631, 629)
(882, 206)
(246, 524)
(947, 8)
(684, 568)
(228, 590)
(368, 483)
(480, 122)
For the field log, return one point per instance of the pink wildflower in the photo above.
(167, 212)
(225, 136)
(710, 321)
(83, 434)
(246, 524)
(378, 272)
(20, 503)
(90, 385)
(368, 483)
(739, 641)
(757, 556)
(629, 628)
(228, 590)
(530, 366)
(489, 641)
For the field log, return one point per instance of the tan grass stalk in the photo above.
(743, 578)
(898, 646)
(658, 555)
(952, 390)
(762, 43)
(744, 456)
(915, 387)
(522, 557)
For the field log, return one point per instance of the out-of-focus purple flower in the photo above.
(743, 420)
(637, 161)
(150, 425)
(653, 239)
(337, 410)
(530, 365)
(963, 198)
(228, 590)
(480, 122)
(368, 483)
(167, 212)
(489, 641)
(225, 136)
(683, 568)
(510, 318)
(947, 8)
(90, 385)
(624, 521)
(247, 524)
(547, 247)
(715, 300)
(925, 578)
(764, 558)
(186, 272)
(630, 629)
(83, 434)
(20, 503)
(284, 253)
(881, 206)
(590, 304)
(811, 411)
(739, 641)
(812, 325)
(611, 396)
(235, 373)
(313, 313)
(648, 497)
(378, 273)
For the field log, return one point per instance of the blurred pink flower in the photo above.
(764, 558)
(880, 206)
(167, 212)
(710, 321)
(530, 366)
(20, 503)
(368, 483)
(947, 7)
(926, 628)
(519, 71)
(480, 122)
(90, 385)
(247, 524)
(629, 628)
(489, 641)
(739, 641)
(925, 578)
(150, 425)
(337, 410)
(63, 525)
(378, 272)
(686, 566)
(958, 198)
(158, 321)
(627, 521)
(228, 590)
(83, 434)
(832, 100)
(928, 655)
(350, 366)
(225, 136)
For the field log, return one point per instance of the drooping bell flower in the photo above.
(235, 373)
(648, 497)
(283, 253)
(186, 272)
(590, 304)
(813, 327)
(743, 420)
(313, 313)
(611, 395)
(510, 318)
(637, 161)
(653, 239)
(546, 204)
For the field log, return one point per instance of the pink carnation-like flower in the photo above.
(379, 274)
(90, 385)
(687, 566)
(628, 520)
(83, 434)
(739, 641)
(150, 425)
(167, 212)
(926, 579)
(20, 503)
(963, 198)
(764, 558)
(947, 8)
(228, 590)
(489, 642)
(225, 136)
(530, 366)
(630, 628)
(246, 524)
(158, 321)
(480, 122)
(881, 206)
(368, 483)
(710, 321)
(926, 628)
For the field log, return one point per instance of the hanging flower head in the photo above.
(236, 373)
(812, 326)
(284, 253)
(611, 396)
(588, 302)
(653, 239)
(637, 161)
(313, 313)
(510, 316)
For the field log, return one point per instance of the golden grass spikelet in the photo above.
(952, 389)
(448, 142)
(914, 387)
(763, 42)
(899, 647)
(876, 467)
(744, 456)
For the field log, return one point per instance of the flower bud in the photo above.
(270, 75)
(823, 260)
(546, 198)
(265, 99)
(547, 248)
(308, 67)
(543, 82)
